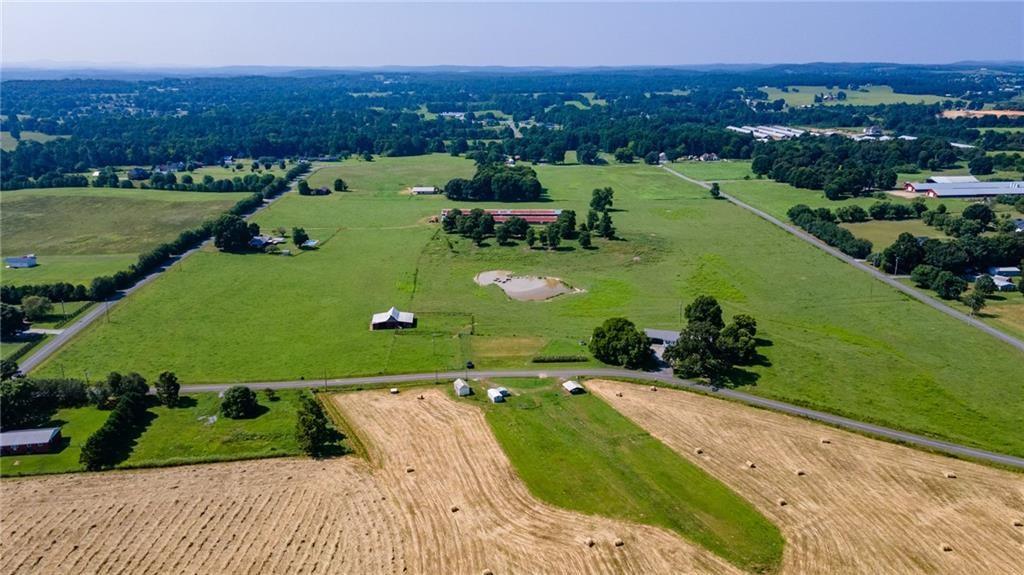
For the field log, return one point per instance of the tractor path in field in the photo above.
(102, 309)
(891, 281)
(665, 377)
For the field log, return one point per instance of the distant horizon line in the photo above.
(54, 66)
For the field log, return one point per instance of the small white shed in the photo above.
(462, 388)
(503, 391)
(495, 396)
(573, 387)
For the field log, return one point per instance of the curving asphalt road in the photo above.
(880, 276)
(102, 308)
(661, 377)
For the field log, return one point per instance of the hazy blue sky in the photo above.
(546, 34)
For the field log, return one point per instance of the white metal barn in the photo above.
(495, 396)
(462, 388)
(573, 387)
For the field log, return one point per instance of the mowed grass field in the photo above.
(81, 233)
(192, 432)
(8, 142)
(874, 96)
(578, 453)
(835, 339)
(1004, 311)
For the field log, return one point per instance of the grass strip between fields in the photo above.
(578, 453)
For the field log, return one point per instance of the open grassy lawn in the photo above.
(714, 171)
(81, 233)
(192, 432)
(77, 424)
(578, 453)
(874, 96)
(8, 143)
(835, 338)
(1003, 310)
(882, 233)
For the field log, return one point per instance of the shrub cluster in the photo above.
(821, 224)
(60, 291)
(30, 402)
(558, 358)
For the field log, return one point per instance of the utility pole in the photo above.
(896, 270)
(106, 310)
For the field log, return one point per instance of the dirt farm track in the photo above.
(438, 495)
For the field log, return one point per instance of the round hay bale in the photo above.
(826, 440)
(619, 543)
(487, 572)
(588, 542)
(455, 508)
(698, 451)
(947, 547)
(750, 465)
(1018, 523)
(783, 503)
(950, 475)
(420, 396)
(653, 388)
(409, 470)
(618, 394)
(801, 472)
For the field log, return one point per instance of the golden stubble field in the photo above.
(861, 506)
(438, 495)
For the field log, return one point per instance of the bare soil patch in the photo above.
(524, 288)
(980, 113)
(845, 503)
(439, 496)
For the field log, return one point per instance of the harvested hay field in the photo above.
(859, 505)
(457, 464)
(439, 496)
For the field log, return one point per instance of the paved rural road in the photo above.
(880, 276)
(663, 377)
(34, 360)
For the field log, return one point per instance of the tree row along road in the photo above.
(103, 308)
(880, 276)
(661, 377)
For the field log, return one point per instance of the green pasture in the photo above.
(80, 233)
(834, 338)
(578, 453)
(8, 142)
(875, 95)
(192, 432)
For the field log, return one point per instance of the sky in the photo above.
(347, 34)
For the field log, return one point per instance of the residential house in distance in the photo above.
(1007, 271)
(138, 174)
(25, 261)
(393, 319)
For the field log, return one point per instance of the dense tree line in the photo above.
(29, 402)
(846, 168)
(496, 182)
(821, 223)
(109, 444)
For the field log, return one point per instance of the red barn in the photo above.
(24, 441)
(531, 216)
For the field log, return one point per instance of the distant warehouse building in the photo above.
(966, 189)
(531, 216)
(424, 190)
(24, 441)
